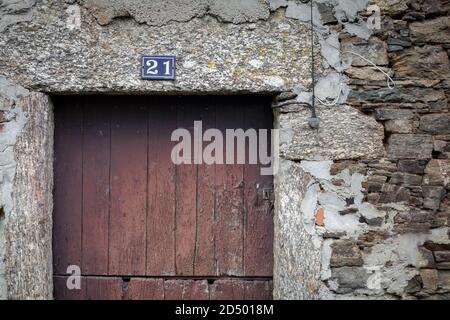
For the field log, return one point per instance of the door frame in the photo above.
(297, 257)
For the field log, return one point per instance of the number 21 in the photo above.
(153, 65)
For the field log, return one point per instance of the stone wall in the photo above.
(362, 202)
(381, 218)
(407, 234)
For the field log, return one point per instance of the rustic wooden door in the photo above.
(139, 226)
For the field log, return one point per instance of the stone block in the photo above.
(344, 133)
(432, 192)
(399, 126)
(428, 256)
(435, 7)
(442, 256)
(430, 279)
(393, 114)
(411, 166)
(440, 145)
(345, 253)
(431, 31)
(393, 7)
(406, 179)
(443, 266)
(368, 73)
(444, 280)
(433, 246)
(415, 221)
(410, 146)
(374, 50)
(372, 238)
(432, 197)
(437, 172)
(350, 278)
(428, 62)
(393, 193)
(397, 95)
(436, 123)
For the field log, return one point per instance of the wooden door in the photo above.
(141, 227)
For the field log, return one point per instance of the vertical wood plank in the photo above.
(68, 186)
(127, 245)
(61, 292)
(204, 262)
(161, 189)
(103, 288)
(180, 289)
(229, 198)
(145, 289)
(258, 290)
(96, 194)
(186, 197)
(227, 289)
(258, 235)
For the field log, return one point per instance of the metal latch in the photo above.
(266, 194)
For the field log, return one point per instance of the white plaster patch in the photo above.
(302, 12)
(275, 4)
(350, 8)
(401, 252)
(331, 201)
(326, 258)
(308, 207)
(359, 30)
(329, 87)
(368, 211)
(349, 223)
(328, 50)
(318, 169)
(356, 187)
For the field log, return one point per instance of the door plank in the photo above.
(158, 219)
(229, 198)
(103, 288)
(128, 189)
(204, 262)
(186, 197)
(145, 289)
(227, 289)
(258, 290)
(180, 289)
(258, 235)
(61, 292)
(96, 190)
(68, 186)
(161, 190)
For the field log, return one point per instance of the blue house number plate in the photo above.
(158, 67)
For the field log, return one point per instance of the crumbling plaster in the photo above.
(236, 47)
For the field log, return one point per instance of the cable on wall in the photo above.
(314, 120)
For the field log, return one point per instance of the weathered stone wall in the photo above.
(362, 203)
(375, 193)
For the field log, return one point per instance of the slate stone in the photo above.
(345, 253)
(437, 172)
(410, 146)
(438, 123)
(350, 278)
(431, 31)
